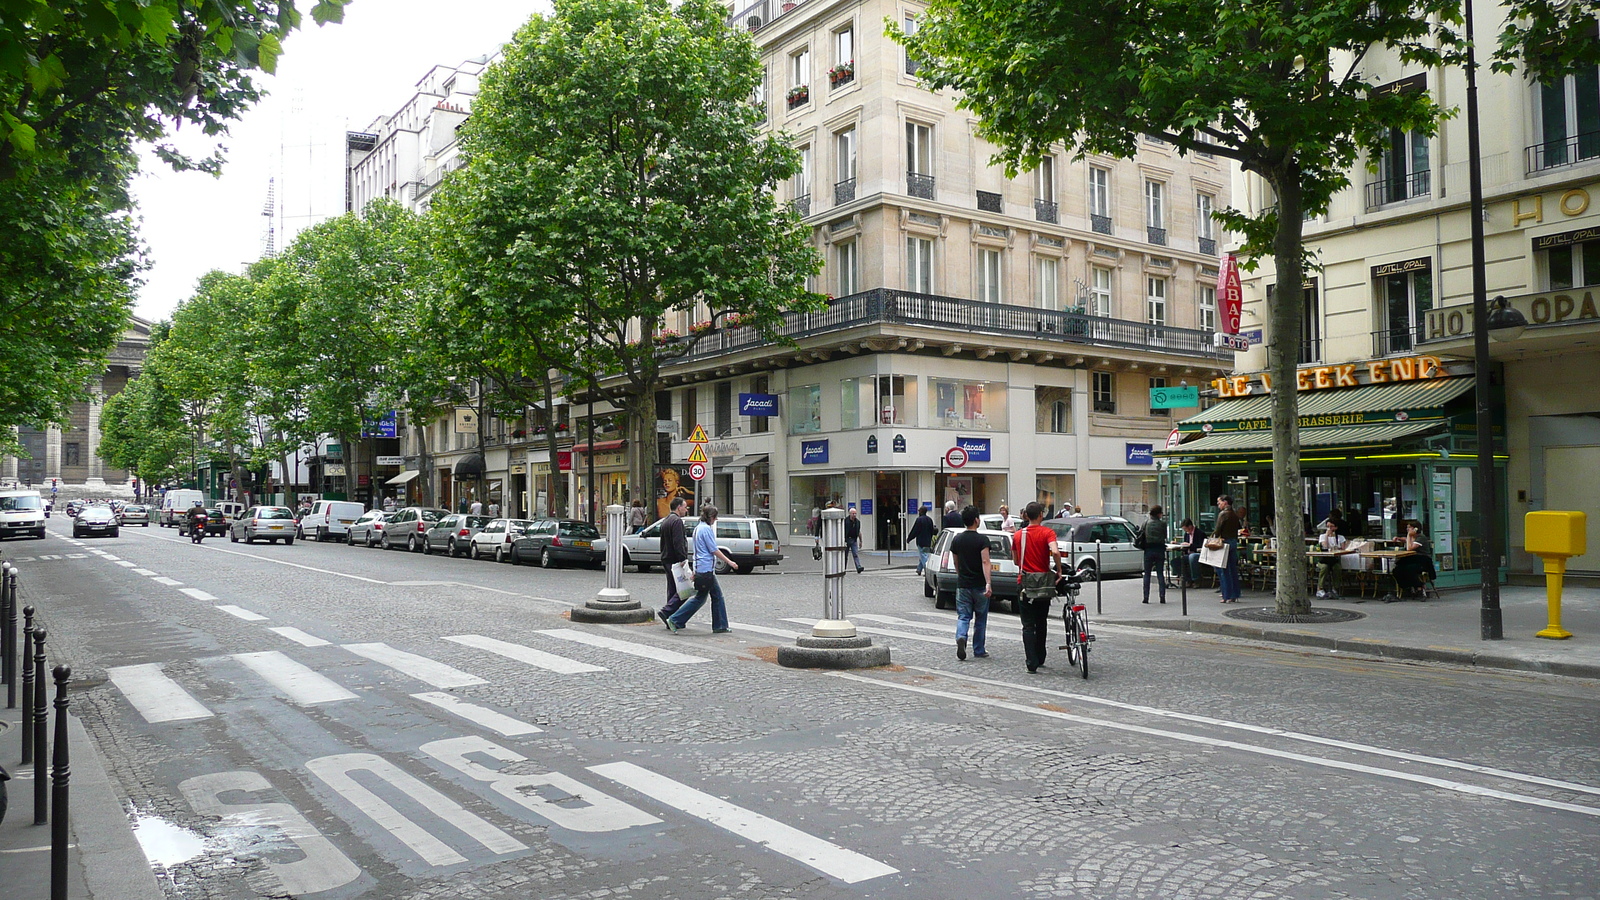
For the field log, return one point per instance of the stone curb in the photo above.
(1372, 647)
(114, 865)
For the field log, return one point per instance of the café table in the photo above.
(1177, 562)
(1386, 558)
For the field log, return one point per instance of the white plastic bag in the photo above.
(683, 574)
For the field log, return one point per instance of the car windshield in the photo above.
(15, 503)
(274, 512)
(430, 515)
(582, 530)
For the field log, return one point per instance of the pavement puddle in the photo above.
(165, 844)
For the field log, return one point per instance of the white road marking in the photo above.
(554, 797)
(1441, 783)
(322, 867)
(46, 556)
(242, 613)
(169, 582)
(299, 683)
(478, 715)
(300, 637)
(558, 664)
(659, 654)
(1010, 624)
(421, 668)
(125, 564)
(335, 772)
(762, 629)
(156, 697)
(145, 572)
(883, 632)
(1289, 735)
(72, 556)
(197, 594)
(826, 857)
(281, 562)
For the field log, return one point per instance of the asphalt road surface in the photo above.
(321, 720)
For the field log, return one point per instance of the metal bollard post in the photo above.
(27, 684)
(834, 560)
(8, 634)
(1099, 576)
(41, 733)
(58, 791)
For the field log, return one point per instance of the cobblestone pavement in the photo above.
(425, 727)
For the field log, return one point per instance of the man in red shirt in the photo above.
(1039, 565)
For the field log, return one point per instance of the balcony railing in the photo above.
(759, 14)
(904, 308)
(1397, 188)
(1563, 151)
(919, 185)
(1157, 236)
(1310, 351)
(802, 205)
(1208, 247)
(844, 191)
(1397, 339)
(989, 201)
(1100, 224)
(1046, 211)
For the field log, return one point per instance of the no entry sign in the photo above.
(955, 457)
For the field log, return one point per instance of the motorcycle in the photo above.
(197, 529)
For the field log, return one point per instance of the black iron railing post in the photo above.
(27, 685)
(58, 791)
(41, 733)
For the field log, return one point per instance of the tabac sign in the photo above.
(1348, 375)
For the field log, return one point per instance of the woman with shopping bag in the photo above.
(1221, 551)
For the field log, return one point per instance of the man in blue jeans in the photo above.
(852, 537)
(921, 534)
(973, 585)
(706, 553)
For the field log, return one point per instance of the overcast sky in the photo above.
(330, 79)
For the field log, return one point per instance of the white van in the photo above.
(330, 518)
(230, 509)
(21, 512)
(176, 503)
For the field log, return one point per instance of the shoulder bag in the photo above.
(1035, 585)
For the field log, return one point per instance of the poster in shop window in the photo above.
(959, 489)
(671, 481)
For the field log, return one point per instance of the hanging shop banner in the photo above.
(383, 426)
(1230, 295)
(466, 420)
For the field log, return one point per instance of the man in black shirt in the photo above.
(973, 585)
(852, 537)
(952, 519)
(674, 549)
(922, 535)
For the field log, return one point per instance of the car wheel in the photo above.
(233, 536)
(411, 543)
(144, 524)
(322, 535)
(288, 541)
(944, 599)
(115, 532)
(249, 538)
(927, 588)
(1087, 571)
(546, 560)
(427, 547)
(500, 554)
(626, 561)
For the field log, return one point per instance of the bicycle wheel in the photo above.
(1069, 619)
(1083, 645)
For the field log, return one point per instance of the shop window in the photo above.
(805, 409)
(1569, 120)
(968, 404)
(1129, 496)
(1105, 392)
(877, 400)
(1055, 492)
(919, 265)
(760, 384)
(1053, 410)
(1155, 385)
(1404, 299)
(809, 495)
(1575, 265)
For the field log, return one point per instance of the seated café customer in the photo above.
(1193, 541)
(1408, 570)
(1329, 541)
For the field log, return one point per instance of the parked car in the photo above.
(96, 520)
(268, 523)
(554, 542)
(452, 534)
(748, 540)
(1076, 537)
(496, 537)
(329, 519)
(939, 578)
(22, 512)
(135, 514)
(367, 529)
(215, 523)
(405, 527)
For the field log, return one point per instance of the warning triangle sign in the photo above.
(698, 454)
(699, 436)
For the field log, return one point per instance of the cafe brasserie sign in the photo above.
(1316, 378)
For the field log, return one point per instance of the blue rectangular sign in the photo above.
(866, 507)
(1141, 454)
(383, 427)
(911, 506)
(813, 453)
(977, 448)
(758, 404)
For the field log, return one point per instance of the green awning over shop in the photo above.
(1370, 398)
(1344, 436)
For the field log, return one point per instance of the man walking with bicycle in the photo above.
(1039, 565)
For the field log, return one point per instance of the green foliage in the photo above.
(1549, 38)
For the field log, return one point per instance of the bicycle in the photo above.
(1076, 618)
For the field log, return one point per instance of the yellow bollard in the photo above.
(1555, 536)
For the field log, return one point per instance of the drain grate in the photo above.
(1314, 617)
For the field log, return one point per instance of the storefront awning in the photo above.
(1408, 395)
(1350, 436)
(470, 466)
(403, 477)
(599, 446)
(747, 460)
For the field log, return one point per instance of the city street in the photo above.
(323, 720)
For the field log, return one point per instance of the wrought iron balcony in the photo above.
(919, 185)
(1396, 188)
(1100, 224)
(1046, 211)
(1208, 247)
(1563, 151)
(989, 201)
(1156, 235)
(1310, 351)
(802, 205)
(844, 191)
(1397, 339)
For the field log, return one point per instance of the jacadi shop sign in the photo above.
(1555, 307)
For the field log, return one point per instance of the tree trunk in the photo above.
(553, 500)
(1283, 357)
(641, 463)
(424, 465)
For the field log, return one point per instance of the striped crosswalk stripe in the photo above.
(156, 696)
(421, 668)
(538, 658)
(300, 684)
(659, 654)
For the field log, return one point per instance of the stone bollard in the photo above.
(62, 774)
(614, 604)
(41, 733)
(833, 642)
(27, 685)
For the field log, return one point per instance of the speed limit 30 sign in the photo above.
(697, 471)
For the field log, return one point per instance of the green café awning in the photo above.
(1381, 434)
(1401, 396)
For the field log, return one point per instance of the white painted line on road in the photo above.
(558, 664)
(300, 637)
(299, 683)
(125, 564)
(478, 715)
(1277, 732)
(826, 857)
(197, 594)
(169, 582)
(281, 562)
(659, 654)
(145, 572)
(421, 668)
(994, 621)
(156, 697)
(884, 632)
(321, 867)
(242, 613)
(73, 556)
(762, 629)
(1240, 746)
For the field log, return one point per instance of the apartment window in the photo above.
(1155, 212)
(844, 263)
(1100, 291)
(1208, 307)
(919, 160)
(1569, 120)
(1205, 227)
(691, 412)
(988, 275)
(800, 68)
(1406, 298)
(844, 45)
(845, 153)
(967, 404)
(758, 94)
(1156, 300)
(1105, 392)
(1060, 417)
(1402, 169)
(802, 178)
(1574, 265)
(919, 265)
(805, 405)
(760, 384)
(1100, 192)
(1157, 384)
(1047, 282)
(908, 24)
(1044, 179)
(1311, 324)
